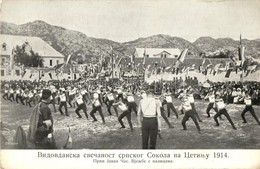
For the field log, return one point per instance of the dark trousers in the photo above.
(110, 104)
(132, 106)
(71, 97)
(187, 115)
(195, 111)
(81, 107)
(28, 101)
(171, 107)
(149, 132)
(5, 96)
(126, 114)
(20, 98)
(63, 104)
(11, 97)
(252, 111)
(165, 118)
(210, 106)
(53, 104)
(94, 110)
(225, 113)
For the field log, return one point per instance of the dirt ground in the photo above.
(89, 135)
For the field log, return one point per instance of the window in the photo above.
(161, 55)
(17, 72)
(57, 62)
(50, 62)
(4, 46)
(2, 61)
(2, 72)
(147, 56)
(164, 55)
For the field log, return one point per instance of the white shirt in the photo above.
(17, 91)
(63, 97)
(186, 105)
(119, 91)
(130, 98)
(191, 98)
(95, 96)
(30, 95)
(110, 96)
(148, 106)
(79, 99)
(212, 98)
(11, 91)
(220, 104)
(122, 107)
(168, 99)
(248, 101)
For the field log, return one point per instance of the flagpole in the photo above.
(112, 62)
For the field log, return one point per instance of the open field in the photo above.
(88, 135)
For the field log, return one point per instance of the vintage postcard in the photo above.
(99, 83)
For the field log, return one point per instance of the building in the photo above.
(50, 56)
(157, 52)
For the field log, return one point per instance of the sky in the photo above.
(125, 20)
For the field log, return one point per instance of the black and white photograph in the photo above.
(130, 75)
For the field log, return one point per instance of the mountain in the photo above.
(162, 41)
(209, 44)
(80, 45)
(61, 39)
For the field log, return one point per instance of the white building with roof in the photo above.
(50, 56)
(157, 52)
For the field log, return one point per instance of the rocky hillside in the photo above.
(80, 45)
(208, 44)
(162, 41)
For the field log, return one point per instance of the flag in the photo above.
(182, 55)
(68, 59)
(144, 57)
(68, 144)
(228, 73)
(216, 68)
(241, 53)
(23, 73)
(250, 69)
(50, 75)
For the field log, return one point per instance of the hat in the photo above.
(46, 93)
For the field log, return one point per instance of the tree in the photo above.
(28, 58)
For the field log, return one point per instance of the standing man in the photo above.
(170, 106)
(41, 124)
(111, 100)
(96, 106)
(211, 97)
(125, 113)
(63, 102)
(132, 106)
(80, 105)
(189, 113)
(149, 108)
(249, 107)
(221, 109)
(192, 103)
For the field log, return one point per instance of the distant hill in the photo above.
(162, 41)
(61, 39)
(80, 45)
(209, 44)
